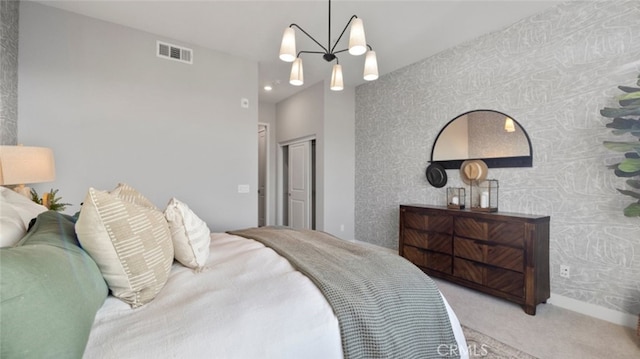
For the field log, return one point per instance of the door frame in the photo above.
(267, 169)
(280, 183)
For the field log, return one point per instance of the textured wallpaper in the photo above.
(9, 72)
(552, 72)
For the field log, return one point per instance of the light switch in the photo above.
(244, 102)
(243, 188)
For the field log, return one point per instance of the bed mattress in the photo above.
(248, 302)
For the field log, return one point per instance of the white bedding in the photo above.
(248, 302)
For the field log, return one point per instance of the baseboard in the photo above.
(596, 311)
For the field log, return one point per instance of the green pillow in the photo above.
(50, 291)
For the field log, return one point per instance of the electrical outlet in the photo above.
(564, 271)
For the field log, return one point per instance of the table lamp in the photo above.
(25, 164)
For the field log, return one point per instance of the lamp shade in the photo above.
(336, 78)
(23, 164)
(371, 66)
(357, 40)
(297, 75)
(288, 46)
(509, 126)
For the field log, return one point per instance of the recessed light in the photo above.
(268, 88)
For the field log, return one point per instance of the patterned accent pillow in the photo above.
(130, 194)
(130, 243)
(190, 235)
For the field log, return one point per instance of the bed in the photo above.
(242, 294)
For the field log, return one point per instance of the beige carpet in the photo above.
(483, 346)
(553, 333)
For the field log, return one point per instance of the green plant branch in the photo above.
(626, 120)
(632, 210)
(54, 201)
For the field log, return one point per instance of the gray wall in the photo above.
(339, 164)
(112, 111)
(330, 117)
(552, 72)
(267, 116)
(301, 116)
(9, 22)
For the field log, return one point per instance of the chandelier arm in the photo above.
(310, 52)
(309, 36)
(342, 33)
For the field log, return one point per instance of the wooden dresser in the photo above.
(502, 254)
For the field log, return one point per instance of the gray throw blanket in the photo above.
(386, 307)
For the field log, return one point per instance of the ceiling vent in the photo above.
(173, 52)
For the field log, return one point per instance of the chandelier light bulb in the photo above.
(297, 76)
(509, 126)
(371, 66)
(288, 46)
(357, 41)
(336, 78)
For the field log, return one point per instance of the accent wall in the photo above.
(9, 20)
(551, 72)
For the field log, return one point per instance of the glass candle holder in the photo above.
(484, 195)
(456, 197)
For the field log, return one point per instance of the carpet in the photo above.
(483, 346)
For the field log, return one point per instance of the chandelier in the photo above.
(357, 46)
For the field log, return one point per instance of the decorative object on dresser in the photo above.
(456, 197)
(484, 195)
(502, 254)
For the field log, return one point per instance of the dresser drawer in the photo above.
(427, 259)
(505, 281)
(497, 255)
(468, 270)
(511, 233)
(439, 242)
(428, 222)
(496, 278)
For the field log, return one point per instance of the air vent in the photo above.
(173, 52)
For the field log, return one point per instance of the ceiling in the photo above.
(401, 32)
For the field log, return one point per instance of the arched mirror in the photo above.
(491, 136)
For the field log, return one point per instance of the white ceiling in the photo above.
(401, 32)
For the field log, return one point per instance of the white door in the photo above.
(262, 175)
(300, 185)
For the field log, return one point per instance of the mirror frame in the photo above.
(494, 162)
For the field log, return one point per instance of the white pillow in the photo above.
(130, 243)
(16, 211)
(190, 235)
